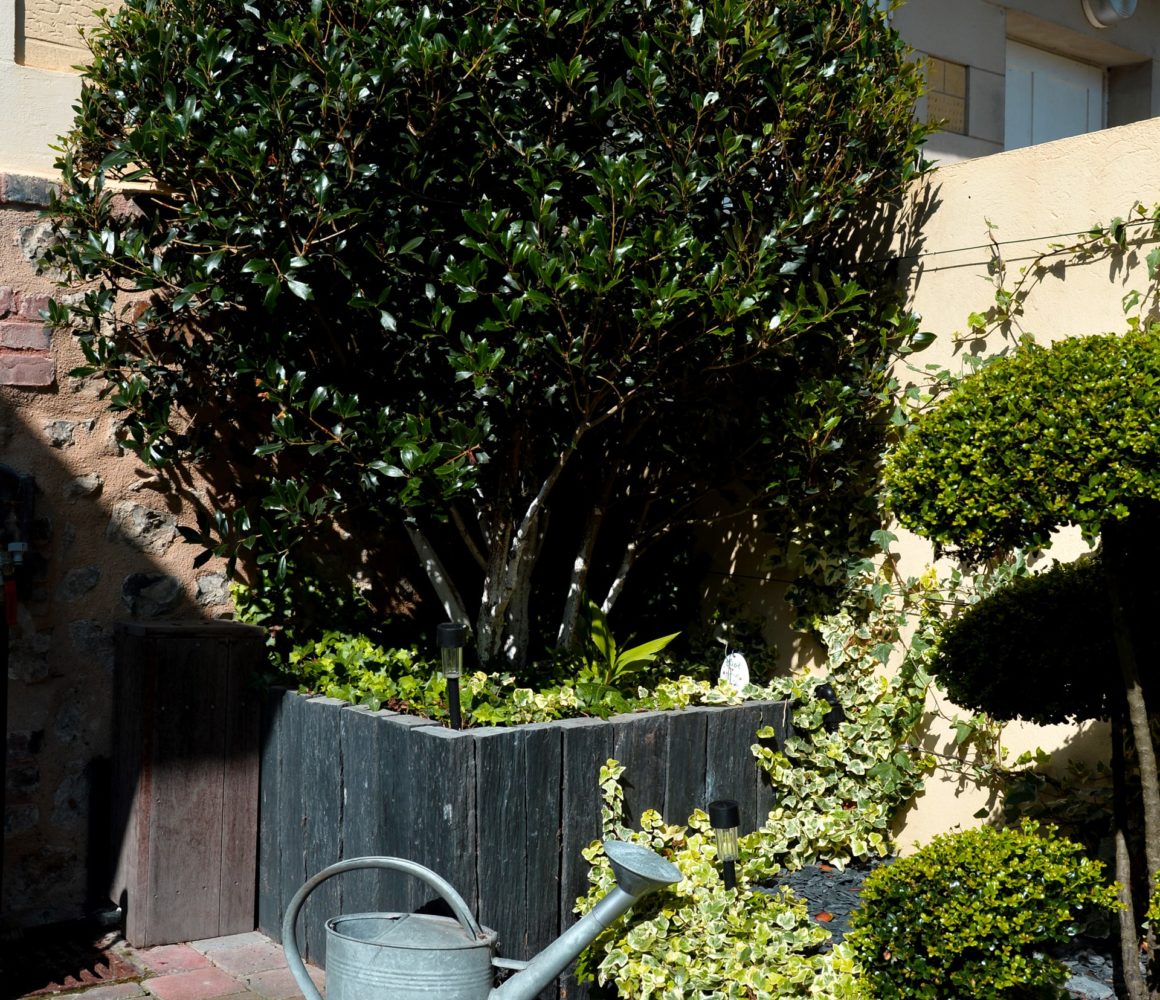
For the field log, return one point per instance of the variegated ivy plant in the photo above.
(836, 790)
(701, 939)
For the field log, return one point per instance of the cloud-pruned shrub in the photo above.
(1047, 437)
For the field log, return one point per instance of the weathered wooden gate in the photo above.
(185, 779)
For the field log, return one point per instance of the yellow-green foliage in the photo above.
(1153, 914)
(355, 669)
(1068, 434)
(970, 915)
(837, 788)
(701, 940)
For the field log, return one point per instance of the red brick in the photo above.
(31, 305)
(32, 369)
(25, 336)
(201, 984)
(279, 984)
(167, 958)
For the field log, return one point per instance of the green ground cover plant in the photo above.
(836, 788)
(702, 940)
(357, 670)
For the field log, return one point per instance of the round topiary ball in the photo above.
(969, 916)
(1067, 434)
(1040, 649)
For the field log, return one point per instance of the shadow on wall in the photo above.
(1085, 744)
(103, 549)
(749, 567)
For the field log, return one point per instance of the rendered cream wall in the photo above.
(1035, 196)
(39, 40)
(49, 37)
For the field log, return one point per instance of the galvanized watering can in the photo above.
(414, 956)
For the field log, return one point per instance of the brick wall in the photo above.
(25, 342)
(105, 548)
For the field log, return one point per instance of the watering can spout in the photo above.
(638, 871)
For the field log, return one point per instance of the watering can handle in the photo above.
(440, 885)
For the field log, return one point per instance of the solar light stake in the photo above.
(451, 638)
(725, 818)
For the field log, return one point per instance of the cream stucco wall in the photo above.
(1035, 197)
(35, 108)
(48, 35)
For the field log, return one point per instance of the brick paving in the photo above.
(241, 967)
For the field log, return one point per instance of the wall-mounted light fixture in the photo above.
(451, 638)
(1105, 13)
(725, 818)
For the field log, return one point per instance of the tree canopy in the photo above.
(448, 269)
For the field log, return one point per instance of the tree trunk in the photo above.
(518, 626)
(493, 601)
(514, 549)
(444, 586)
(1117, 548)
(1129, 943)
(578, 584)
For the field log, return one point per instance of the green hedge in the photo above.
(970, 916)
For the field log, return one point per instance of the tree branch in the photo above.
(433, 566)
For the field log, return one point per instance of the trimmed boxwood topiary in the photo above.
(1039, 649)
(969, 916)
(1047, 437)
(1065, 435)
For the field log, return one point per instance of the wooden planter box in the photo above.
(502, 814)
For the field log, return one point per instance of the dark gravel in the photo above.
(832, 895)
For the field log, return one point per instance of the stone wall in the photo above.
(105, 548)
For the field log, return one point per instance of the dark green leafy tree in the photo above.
(1048, 437)
(447, 269)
